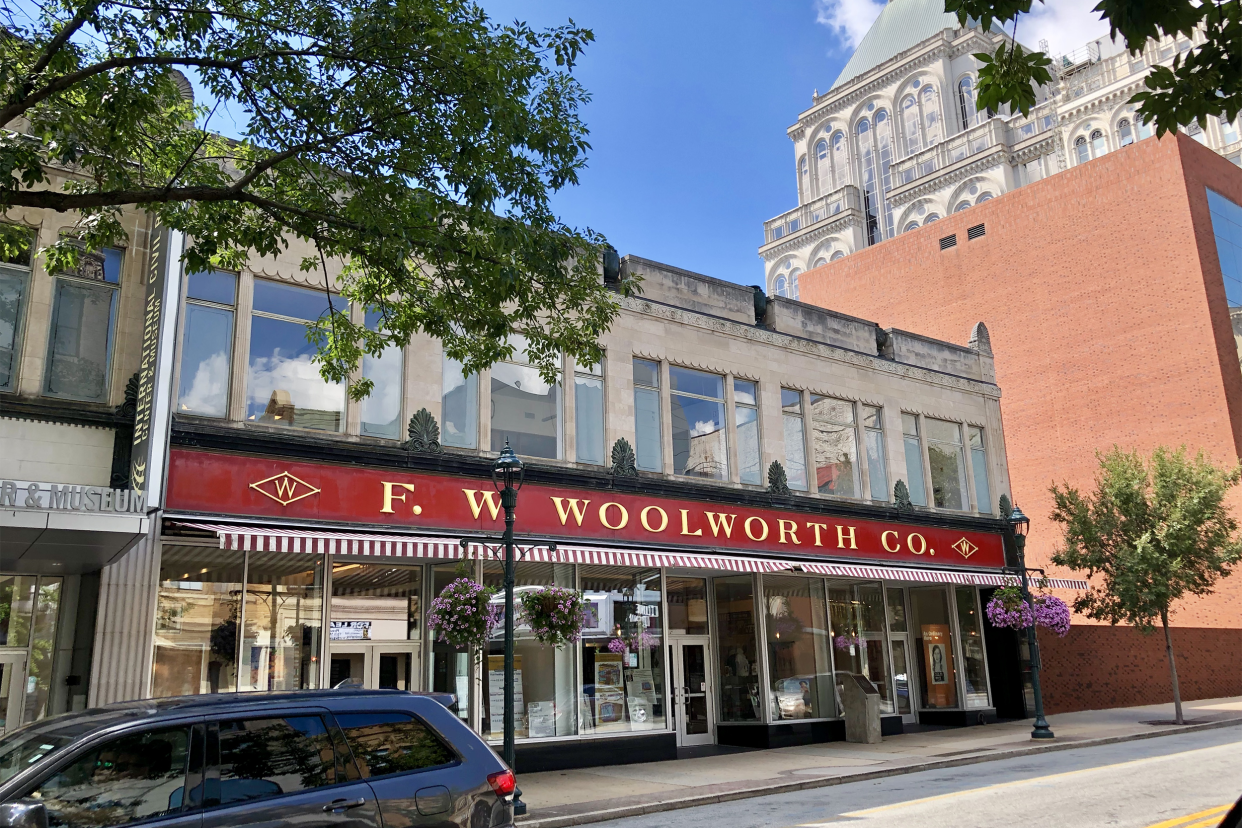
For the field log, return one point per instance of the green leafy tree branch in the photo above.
(1153, 532)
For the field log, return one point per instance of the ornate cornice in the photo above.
(820, 350)
(811, 234)
(990, 158)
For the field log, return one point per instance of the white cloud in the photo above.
(1066, 25)
(848, 18)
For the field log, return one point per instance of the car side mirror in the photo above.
(24, 813)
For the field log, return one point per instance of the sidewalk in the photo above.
(573, 797)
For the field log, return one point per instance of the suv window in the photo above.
(385, 743)
(262, 758)
(138, 776)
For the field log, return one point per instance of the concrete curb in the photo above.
(770, 787)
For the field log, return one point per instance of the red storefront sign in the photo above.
(205, 482)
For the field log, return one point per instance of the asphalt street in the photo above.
(1171, 782)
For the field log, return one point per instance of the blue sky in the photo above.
(691, 103)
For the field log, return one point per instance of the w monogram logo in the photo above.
(284, 488)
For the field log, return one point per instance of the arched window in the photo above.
(823, 168)
(793, 282)
(804, 180)
(1098, 146)
(870, 182)
(1125, 135)
(820, 262)
(932, 132)
(914, 225)
(1082, 150)
(961, 205)
(983, 198)
(840, 165)
(779, 286)
(1228, 132)
(911, 123)
(840, 254)
(887, 152)
(931, 218)
(1144, 127)
(966, 102)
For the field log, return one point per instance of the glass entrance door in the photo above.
(12, 683)
(374, 666)
(692, 690)
(935, 649)
(899, 642)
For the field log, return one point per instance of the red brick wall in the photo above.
(1102, 292)
(1098, 666)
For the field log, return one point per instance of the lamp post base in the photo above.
(1041, 729)
(519, 807)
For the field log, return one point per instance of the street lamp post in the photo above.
(1021, 523)
(507, 473)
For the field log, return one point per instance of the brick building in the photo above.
(1102, 288)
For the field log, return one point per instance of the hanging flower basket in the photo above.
(463, 615)
(554, 615)
(844, 642)
(1007, 609)
(642, 640)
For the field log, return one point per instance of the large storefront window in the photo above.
(798, 661)
(858, 634)
(934, 643)
(687, 605)
(374, 624)
(450, 666)
(622, 651)
(738, 656)
(283, 622)
(969, 621)
(197, 613)
(545, 686)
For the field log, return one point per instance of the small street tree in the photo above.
(1153, 532)
(414, 144)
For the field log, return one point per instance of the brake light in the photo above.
(503, 782)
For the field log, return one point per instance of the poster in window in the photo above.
(496, 696)
(938, 666)
(609, 690)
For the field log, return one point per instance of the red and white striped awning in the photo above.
(281, 539)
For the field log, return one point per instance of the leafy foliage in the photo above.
(411, 146)
(1204, 82)
(1152, 533)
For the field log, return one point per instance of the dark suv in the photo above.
(313, 759)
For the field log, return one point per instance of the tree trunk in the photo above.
(1168, 645)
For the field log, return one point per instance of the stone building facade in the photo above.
(898, 141)
(1112, 334)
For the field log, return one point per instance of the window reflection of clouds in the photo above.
(284, 386)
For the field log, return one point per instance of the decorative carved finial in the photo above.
(901, 497)
(778, 483)
(980, 339)
(1006, 508)
(623, 459)
(424, 433)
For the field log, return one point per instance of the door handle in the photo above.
(340, 806)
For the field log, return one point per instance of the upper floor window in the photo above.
(948, 466)
(79, 348)
(932, 128)
(966, 102)
(795, 439)
(1196, 132)
(1125, 135)
(700, 447)
(979, 467)
(525, 407)
(1081, 150)
(459, 405)
(589, 413)
(381, 410)
(961, 205)
(911, 123)
(746, 419)
(14, 282)
(1098, 145)
(1228, 131)
(914, 459)
(283, 385)
(840, 161)
(648, 447)
(823, 167)
(839, 254)
(804, 179)
(834, 440)
(1227, 228)
(1144, 127)
(207, 345)
(873, 433)
(910, 226)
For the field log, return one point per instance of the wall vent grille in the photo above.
(978, 231)
(948, 241)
